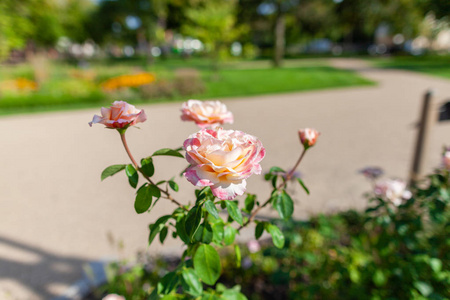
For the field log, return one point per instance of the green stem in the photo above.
(166, 193)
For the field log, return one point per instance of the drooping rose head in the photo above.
(371, 173)
(206, 113)
(119, 115)
(393, 190)
(308, 137)
(446, 159)
(222, 160)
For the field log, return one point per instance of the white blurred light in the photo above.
(128, 51)
(88, 50)
(398, 39)
(187, 44)
(133, 22)
(196, 45)
(156, 51)
(236, 49)
(381, 49)
(76, 49)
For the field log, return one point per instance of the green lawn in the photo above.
(235, 79)
(434, 65)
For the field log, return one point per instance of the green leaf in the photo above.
(423, 287)
(218, 232)
(111, 170)
(229, 235)
(156, 192)
(204, 233)
(132, 174)
(173, 185)
(193, 281)
(193, 220)
(259, 229)
(284, 205)
(231, 294)
(436, 264)
(168, 152)
(143, 199)
(211, 208)
(163, 234)
(147, 166)
(207, 264)
(181, 230)
(156, 227)
(237, 250)
(249, 203)
(276, 170)
(303, 185)
(234, 212)
(379, 278)
(277, 235)
(168, 283)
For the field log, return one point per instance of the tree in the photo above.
(214, 23)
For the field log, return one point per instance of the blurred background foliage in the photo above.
(67, 49)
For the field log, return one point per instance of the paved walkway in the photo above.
(56, 215)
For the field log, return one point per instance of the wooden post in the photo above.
(427, 119)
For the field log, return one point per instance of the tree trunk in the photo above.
(280, 28)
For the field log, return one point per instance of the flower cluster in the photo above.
(19, 84)
(122, 81)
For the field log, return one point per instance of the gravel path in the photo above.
(56, 215)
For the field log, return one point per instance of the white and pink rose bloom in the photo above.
(206, 113)
(393, 190)
(120, 115)
(308, 137)
(222, 160)
(446, 158)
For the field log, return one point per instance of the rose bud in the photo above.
(207, 113)
(308, 137)
(222, 160)
(120, 115)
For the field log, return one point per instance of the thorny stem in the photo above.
(166, 193)
(282, 185)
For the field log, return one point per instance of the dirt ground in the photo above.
(56, 215)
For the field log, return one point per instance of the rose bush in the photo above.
(207, 113)
(119, 115)
(222, 160)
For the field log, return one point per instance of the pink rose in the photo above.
(446, 159)
(113, 297)
(120, 115)
(253, 246)
(222, 160)
(308, 137)
(207, 113)
(392, 189)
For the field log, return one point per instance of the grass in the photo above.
(235, 79)
(433, 65)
